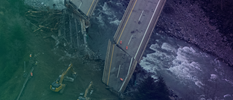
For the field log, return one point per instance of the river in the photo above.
(192, 73)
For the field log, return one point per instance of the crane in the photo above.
(57, 85)
(86, 92)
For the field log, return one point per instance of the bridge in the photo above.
(126, 48)
(129, 42)
(86, 6)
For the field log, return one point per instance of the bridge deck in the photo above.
(130, 41)
(86, 6)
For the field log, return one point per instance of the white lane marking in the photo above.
(127, 74)
(147, 28)
(130, 65)
(130, 39)
(118, 70)
(140, 15)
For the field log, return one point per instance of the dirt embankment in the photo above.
(204, 23)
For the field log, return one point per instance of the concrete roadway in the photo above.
(86, 6)
(130, 41)
(135, 31)
(118, 65)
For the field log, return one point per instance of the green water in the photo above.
(12, 38)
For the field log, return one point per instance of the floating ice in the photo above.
(116, 22)
(154, 47)
(227, 95)
(107, 10)
(213, 76)
(199, 84)
(100, 19)
(168, 47)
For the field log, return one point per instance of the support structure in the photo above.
(77, 11)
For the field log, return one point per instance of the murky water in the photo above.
(187, 70)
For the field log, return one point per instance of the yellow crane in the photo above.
(57, 85)
(86, 92)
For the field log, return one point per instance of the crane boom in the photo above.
(57, 85)
(64, 73)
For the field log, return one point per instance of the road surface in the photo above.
(130, 41)
(86, 6)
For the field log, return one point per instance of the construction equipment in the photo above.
(86, 91)
(57, 85)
